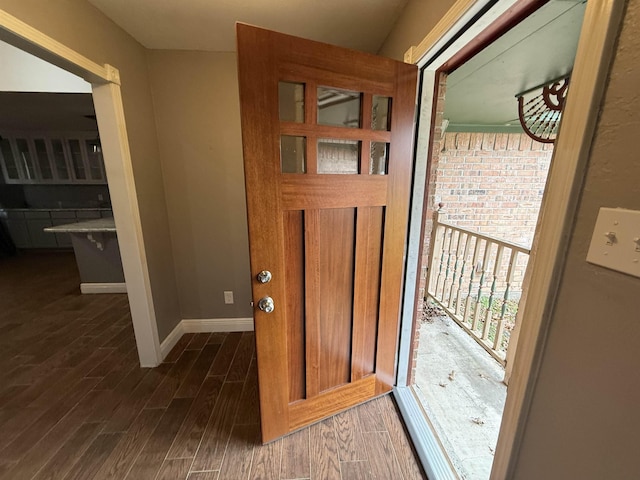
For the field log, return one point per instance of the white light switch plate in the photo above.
(616, 241)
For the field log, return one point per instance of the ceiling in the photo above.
(210, 24)
(481, 93)
(46, 112)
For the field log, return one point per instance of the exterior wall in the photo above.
(82, 27)
(493, 183)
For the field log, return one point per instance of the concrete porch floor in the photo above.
(460, 388)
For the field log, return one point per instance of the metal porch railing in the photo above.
(477, 280)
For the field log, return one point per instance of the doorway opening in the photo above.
(56, 221)
(104, 84)
(52, 177)
(452, 43)
(487, 181)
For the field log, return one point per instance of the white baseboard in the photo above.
(199, 325)
(103, 288)
(204, 325)
(171, 340)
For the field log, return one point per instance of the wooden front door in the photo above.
(327, 136)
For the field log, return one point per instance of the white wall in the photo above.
(22, 72)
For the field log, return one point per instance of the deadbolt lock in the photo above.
(264, 276)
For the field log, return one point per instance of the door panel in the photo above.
(367, 290)
(294, 302)
(327, 178)
(336, 240)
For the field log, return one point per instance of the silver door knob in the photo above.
(266, 304)
(264, 276)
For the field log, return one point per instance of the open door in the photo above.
(327, 135)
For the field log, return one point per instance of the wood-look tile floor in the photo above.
(74, 403)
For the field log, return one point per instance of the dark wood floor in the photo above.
(74, 404)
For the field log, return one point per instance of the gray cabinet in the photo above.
(16, 225)
(63, 218)
(38, 237)
(87, 214)
(85, 158)
(37, 221)
(9, 162)
(19, 233)
(16, 159)
(43, 160)
(51, 158)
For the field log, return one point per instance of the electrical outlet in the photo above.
(100, 197)
(228, 297)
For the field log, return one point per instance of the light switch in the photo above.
(615, 243)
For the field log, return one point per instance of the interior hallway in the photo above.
(74, 404)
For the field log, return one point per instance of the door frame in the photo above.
(455, 31)
(107, 98)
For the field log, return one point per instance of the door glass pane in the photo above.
(43, 159)
(94, 155)
(291, 102)
(9, 160)
(338, 156)
(59, 159)
(381, 113)
(24, 157)
(293, 158)
(76, 160)
(379, 162)
(339, 108)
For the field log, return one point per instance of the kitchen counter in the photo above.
(89, 226)
(95, 244)
(26, 225)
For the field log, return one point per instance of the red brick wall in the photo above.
(493, 183)
(488, 182)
